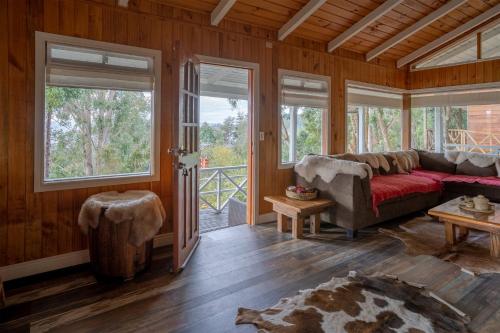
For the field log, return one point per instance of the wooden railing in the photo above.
(473, 141)
(468, 141)
(219, 184)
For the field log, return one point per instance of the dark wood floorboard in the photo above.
(240, 266)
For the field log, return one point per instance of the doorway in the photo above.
(227, 117)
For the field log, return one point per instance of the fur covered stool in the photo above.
(120, 229)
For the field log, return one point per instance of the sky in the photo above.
(214, 110)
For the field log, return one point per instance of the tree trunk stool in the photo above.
(297, 211)
(120, 229)
(111, 255)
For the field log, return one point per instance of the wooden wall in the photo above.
(38, 225)
(480, 72)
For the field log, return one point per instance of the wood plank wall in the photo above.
(38, 225)
(480, 72)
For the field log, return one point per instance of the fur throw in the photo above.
(327, 168)
(406, 160)
(142, 208)
(375, 160)
(477, 159)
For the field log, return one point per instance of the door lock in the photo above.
(177, 151)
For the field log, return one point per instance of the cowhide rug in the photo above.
(425, 236)
(357, 304)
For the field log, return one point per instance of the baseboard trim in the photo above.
(43, 265)
(268, 217)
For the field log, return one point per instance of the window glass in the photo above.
(96, 132)
(373, 120)
(490, 43)
(464, 121)
(98, 117)
(304, 110)
(462, 52)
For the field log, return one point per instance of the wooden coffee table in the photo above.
(455, 218)
(298, 210)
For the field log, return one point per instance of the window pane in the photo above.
(490, 43)
(96, 132)
(384, 130)
(285, 135)
(422, 128)
(309, 122)
(373, 120)
(352, 129)
(465, 51)
(304, 106)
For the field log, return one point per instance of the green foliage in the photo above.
(96, 132)
(309, 133)
(225, 144)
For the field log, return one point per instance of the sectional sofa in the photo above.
(392, 193)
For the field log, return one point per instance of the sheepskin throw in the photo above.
(406, 160)
(375, 160)
(327, 168)
(477, 159)
(359, 304)
(142, 208)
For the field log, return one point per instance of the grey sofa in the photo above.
(354, 211)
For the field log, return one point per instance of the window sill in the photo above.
(290, 165)
(81, 183)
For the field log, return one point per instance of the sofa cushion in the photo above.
(394, 186)
(490, 181)
(435, 162)
(393, 164)
(467, 168)
(434, 175)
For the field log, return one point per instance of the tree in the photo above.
(96, 132)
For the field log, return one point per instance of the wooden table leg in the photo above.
(449, 233)
(282, 223)
(463, 233)
(297, 227)
(315, 223)
(495, 245)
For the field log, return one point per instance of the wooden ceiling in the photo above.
(336, 16)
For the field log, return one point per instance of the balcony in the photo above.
(219, 186)
(467, 141)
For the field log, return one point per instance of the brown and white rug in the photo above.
(357, 304)
(425, 236)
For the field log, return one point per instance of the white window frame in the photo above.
(372, 86)
(326, 126)
(414, 68)
(40, 184)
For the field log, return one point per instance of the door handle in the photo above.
(177, 151)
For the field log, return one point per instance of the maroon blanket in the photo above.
(393, 186)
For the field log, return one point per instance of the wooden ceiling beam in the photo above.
(220, 11)
(299, 17)
(471, 24)
(363, 23)
(417, 26)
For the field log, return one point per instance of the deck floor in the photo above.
(241, 266)
(211, 220)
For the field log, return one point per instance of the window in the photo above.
(373, 120)
(467, 120)
(304, 110)
(482, 45)
(97, 113)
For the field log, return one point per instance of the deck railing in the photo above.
(473, 141)
(219, 184)
(467, 141)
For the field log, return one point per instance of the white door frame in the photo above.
(254, 67)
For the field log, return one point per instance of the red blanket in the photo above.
(434, 175)
(393, 186)
(492, 181)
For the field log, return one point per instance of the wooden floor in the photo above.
(240, 266)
